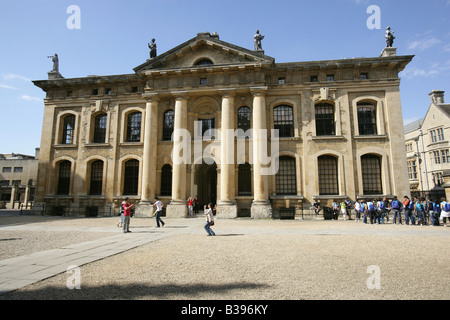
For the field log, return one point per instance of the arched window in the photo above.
(168, 124)
(244, 118)
(131, 177)
(283, 120)
(328, 175)
(325, 125)
(96, 178)
(68, 129)
(245, 180)
(134, 127)
(204, 62)
(371, 174)
(64, 177)
(100, 128)
(166, 180)
(286, 181)
(367, 118)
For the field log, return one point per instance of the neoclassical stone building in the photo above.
(339, 122)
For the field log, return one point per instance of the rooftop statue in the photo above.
(152, 47)
(258, 37)
(55, 63)
(389, 37)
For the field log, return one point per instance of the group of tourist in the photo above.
(126, 212)
(417, 210)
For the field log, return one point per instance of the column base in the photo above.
(261, 210)
(177, 209)
(226, 210)
(143, 210)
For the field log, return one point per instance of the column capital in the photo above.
(227, 93)
(150, 97)
(259, 91)
(180, 95)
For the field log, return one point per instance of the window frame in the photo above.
(325, 121)
(134, 125)
(328, 175)
(283, 120)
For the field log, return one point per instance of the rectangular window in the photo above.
(330, 77)
(18, 169)
(314, 78)
(6, 169)
(437, 157)
(325, 120)
(283, 121)
(412, 170)
(371, 174)
(4, 183)
(433, 136)
(282, 80)
(203, 81)
(286, 182)
(364, 76)
(328, 175)
(440, 134)
(94, 92)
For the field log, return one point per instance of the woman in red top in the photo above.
(191, 206)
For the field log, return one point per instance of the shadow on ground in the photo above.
(128, 292)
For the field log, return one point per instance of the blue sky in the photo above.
(113, 38)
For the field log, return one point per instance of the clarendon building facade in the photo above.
(428, 149)
(199, 120)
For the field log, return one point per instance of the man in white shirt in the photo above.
(159, 205)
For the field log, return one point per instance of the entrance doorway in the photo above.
(205, 179)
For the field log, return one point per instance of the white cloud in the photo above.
(13, 76)
(423, 44)
(29, 98)
(5, 86)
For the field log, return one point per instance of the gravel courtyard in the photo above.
(247, 259)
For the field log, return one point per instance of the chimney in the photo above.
(437, 96)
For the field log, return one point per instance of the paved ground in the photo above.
(248, 259)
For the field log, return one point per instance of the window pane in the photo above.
(169, 117)
(245, 180)
(286, 182)
(131, 178)
(68, 129)
(325, 119)
(328, 175)
(166, 180)
(134, 127)
(371, 174)
(96, 178)
(244, 118)
(100, 128)
(64, 178)
(367, 118)
(283, 120)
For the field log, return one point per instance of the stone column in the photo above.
(261, 207)
(180, 156)
(227, 207)
(149, 158)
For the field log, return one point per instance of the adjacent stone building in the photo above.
(428, 148)
(18, 175)
(340, 133)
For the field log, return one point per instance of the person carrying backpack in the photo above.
(381, 211)
(371, 210)
(445, 211)
(409, 208)
(419, 209)
(397, 210)
(434, 210)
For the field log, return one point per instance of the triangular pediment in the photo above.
(201, 51)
